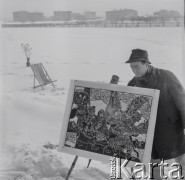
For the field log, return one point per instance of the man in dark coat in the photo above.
(169, 139)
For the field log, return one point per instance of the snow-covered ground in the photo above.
(32, 119)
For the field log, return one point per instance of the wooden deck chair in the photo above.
(41, 75)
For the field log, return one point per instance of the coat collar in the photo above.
(146, 80)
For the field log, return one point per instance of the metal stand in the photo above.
(71, 168)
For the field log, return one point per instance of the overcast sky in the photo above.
(100, 6)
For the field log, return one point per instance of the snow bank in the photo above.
(36, 162)
(46, 163)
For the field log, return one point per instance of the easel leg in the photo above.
(71, 168)
(89, 163)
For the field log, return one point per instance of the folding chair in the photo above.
(41, 75)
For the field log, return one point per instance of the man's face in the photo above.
(138, 68)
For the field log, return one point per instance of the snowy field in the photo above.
(31, 119)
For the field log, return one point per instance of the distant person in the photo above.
(169, 139)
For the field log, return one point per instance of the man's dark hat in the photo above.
(138, 55)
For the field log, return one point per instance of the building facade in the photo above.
(36, 16)
(23, 16)
(20, 16)
(90, 15)
(62, 15)
(77, 16)
(120, 15)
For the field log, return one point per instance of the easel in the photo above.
(114, 80)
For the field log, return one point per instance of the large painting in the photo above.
(105, 120)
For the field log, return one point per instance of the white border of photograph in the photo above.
(120, 88)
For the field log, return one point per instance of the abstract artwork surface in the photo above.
(108, 122)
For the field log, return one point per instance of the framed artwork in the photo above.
(104, 120)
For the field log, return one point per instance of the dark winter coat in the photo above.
(169, 140)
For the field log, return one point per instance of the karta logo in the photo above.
(138, 171)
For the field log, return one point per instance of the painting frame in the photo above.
(113, 88)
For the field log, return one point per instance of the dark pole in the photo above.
(72, 167)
